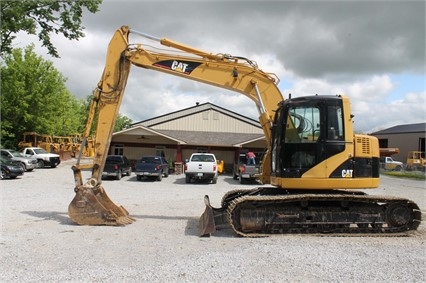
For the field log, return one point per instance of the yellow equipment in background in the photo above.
(66, 146)
(220, 166)
(416, 161)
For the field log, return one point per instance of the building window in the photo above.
(215, 115)
(383, 143)
(206, 115)
(119, 149)
(160, 151)
(421, 144)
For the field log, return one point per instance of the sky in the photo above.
(371, 51)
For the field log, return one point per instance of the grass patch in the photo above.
(406, 174)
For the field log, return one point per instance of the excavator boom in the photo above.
(91, 205)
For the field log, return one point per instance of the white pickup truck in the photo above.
(388, 163)
(201, 166)
(43, 157)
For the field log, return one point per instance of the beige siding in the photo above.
(405, 142)
(135, 153)
(209, 121)
(129, 138)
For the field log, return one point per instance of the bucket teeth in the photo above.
(125, 220)
(90, 208)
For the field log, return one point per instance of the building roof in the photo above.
(142, 131)
(403, 129)
(185, 133)
(211, 138)
(192, 110)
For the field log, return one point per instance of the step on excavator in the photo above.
(314, 163)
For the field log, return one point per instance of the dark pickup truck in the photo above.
(152, 166)
(245, 172)
(116, 166)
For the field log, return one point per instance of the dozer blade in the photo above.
(92, 206)
(212, 219)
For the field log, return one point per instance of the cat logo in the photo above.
(347, 173)
(179, 66)
(184, 67)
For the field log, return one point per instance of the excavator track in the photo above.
(341, 213)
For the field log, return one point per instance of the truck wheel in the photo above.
(241, 179)
(138, 177)
(187, 179)
(160, 177)
(40, 164)
(398, 168)
(118, 177)
(214, 181)
(24, 167)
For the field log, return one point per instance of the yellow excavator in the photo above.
(314, 161)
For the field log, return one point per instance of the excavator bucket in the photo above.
(92, 206)
(212, 219)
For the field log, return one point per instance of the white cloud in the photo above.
(325, 48)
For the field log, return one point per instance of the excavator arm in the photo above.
(91, 205)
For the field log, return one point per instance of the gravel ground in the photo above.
(39, 243)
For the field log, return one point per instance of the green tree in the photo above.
(34, 98)
(43, 17)
(122, 122)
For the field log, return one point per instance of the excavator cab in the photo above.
(313, 146)
(306, 132)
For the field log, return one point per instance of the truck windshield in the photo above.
(203, 158)
(114, 159)
(150, 159)
(39, 151)
(15, 153)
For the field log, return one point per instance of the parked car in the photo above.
(10, 169)
(116, 166)
(244, 171)
(27, 163)
(152, 166)
(201, 166)
(388, 163)
(43, 157)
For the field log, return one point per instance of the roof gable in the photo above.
(142, 131)
(402, 129)
(194, 110)
(205, 117)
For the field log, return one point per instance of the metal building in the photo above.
(201, 128)
(405, 137)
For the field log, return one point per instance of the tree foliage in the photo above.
(34, 98)
(43, 17)
(122, 122)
